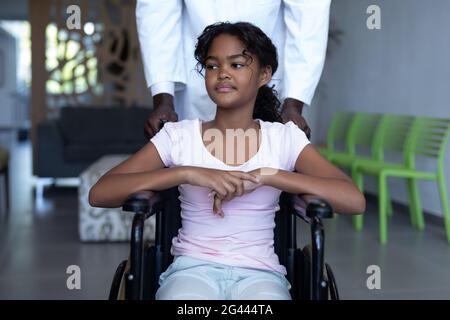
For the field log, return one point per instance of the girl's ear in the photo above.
(265, 76)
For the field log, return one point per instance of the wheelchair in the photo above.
(310, 277)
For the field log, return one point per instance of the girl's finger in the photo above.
(239, 187)
(230, 188)
(218, 206)
(214, 206)
(247, 176)
(220, 190)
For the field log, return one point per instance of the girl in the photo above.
(224, 249)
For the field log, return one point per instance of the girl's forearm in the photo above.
(111, 190)
(342, 194)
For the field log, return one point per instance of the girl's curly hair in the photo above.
(256, 42)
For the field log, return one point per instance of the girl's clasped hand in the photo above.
(248, 186)
(224, 185)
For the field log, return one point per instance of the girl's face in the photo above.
(232, 79)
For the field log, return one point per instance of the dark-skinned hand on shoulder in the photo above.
(292, 111)
(163, 111)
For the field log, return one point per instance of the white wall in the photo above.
(404, 68)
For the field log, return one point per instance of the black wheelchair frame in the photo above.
(311, 278)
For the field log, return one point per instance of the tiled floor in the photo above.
(39, 241)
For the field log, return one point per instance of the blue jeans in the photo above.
(189, 278)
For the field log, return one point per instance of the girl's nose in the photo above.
(223, 75)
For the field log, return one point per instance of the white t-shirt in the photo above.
(244, 237)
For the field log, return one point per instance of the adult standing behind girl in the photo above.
(168, 30)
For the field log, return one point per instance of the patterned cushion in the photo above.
(105, 224)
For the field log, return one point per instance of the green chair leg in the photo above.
(412, 203)
(444, 202)
(382, 203)
(416, 214)
(358, 219)
(389, 202)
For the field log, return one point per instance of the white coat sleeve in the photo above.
(160, 37)
(163, 87)
(305, 47)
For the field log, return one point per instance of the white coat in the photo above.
(168, 30)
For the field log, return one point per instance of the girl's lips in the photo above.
(224, 89)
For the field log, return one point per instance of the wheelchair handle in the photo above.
(142, 202)
(307, 207)
(319, 208)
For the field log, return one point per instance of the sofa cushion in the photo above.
(100, 125)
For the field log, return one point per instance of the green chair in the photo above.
(361, 132)
(411, 136)
(337, 133)
(360, 135)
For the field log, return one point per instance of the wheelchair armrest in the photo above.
(308, 206)
(312, 210)
(144, 202)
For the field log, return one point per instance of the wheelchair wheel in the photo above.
(333, 293)
(117, 280)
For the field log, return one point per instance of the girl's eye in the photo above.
(238, 65)
(210, 67)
